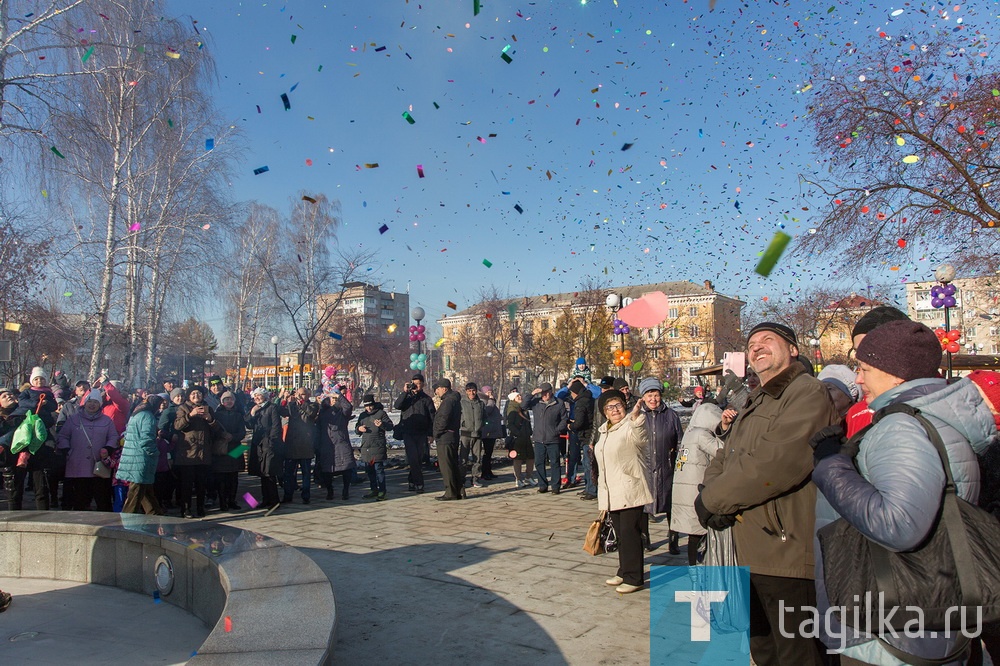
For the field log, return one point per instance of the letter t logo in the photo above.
(700, 602)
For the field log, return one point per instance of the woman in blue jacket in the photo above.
(140, 456)
(891, 489)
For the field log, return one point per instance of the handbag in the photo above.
(957, 566)
(101, 470)
(592, 542)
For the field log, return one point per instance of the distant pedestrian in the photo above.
(492, 431)
(140, 455)
(549, 416)
(335, 455)
(266, 446)
(697, 449)
(663, 429)
(416, 417)
(447, 423)
(372, 425)
(471, 449)
(519, 429)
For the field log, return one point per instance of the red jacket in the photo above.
(858, 416)
(116, 407)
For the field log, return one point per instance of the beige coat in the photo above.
(622, 455)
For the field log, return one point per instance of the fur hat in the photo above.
(904, 349)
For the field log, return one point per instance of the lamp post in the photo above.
(943, 296)
(209, 367)
(277, 377)
(817, 352)
(418, 360)
(622, 358)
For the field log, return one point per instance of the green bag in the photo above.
(26, 435)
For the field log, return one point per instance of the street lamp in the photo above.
(817, 352)
(277, 377)
(621, 329)
(943, 296)
(418, 360)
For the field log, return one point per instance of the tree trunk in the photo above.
(107, 280)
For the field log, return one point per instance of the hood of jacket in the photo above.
(706, 415)
(958, 405)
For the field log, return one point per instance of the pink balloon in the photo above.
(413, 329)
(421, 337)
(413, 338)
(421, 329)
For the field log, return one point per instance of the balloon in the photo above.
(421, 365)
(949, 301)
(935, 293)
(953, 347)
(939, 332)
(955, 334)
(413, 338)
(421, 329)
(413, 356)
(421, 337)
(421, 357)
(413, 329)
(936, 302)
(413, 365)
(949, 290)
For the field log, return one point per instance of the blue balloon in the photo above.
(949, 301)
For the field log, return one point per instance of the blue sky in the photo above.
(642, 141)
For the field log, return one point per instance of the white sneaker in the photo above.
(617, 580)
(625, 588)
(533, 481)
(518, 483)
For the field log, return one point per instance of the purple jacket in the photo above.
(85, 435)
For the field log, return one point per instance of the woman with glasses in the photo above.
(622, 454)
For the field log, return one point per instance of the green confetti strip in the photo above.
(86, 56)
(487, 263)
(294, 37)
(773, 253)
(409, 118)
(476, 6)
(56, 151)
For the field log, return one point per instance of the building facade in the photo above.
(700, 326)
(976, 312)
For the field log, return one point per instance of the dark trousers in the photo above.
(345, 475)
(226, 482)
(269, 491)
(767, 646)
(141, 498)
(488, 446)
(414, 445)
(573, 458)
(164, 487)
(81, 492)
(694, 542)
(45, 490)
(291, 468)
(551, 453)
(628, 527)
(589, 478)
(194, 479)
(451, 471)
(376, 476)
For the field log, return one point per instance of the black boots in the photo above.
(672, 538)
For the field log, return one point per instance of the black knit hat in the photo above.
(904, 349)
(875, 318)
(783, 331)
(607, 382)
(610, 395)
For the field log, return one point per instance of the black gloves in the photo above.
(709, 519)
(827, 442)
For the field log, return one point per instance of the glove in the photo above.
(721, 522)
(704, 515)
(827, 442)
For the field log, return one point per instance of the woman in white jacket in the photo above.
(622, 454)
(696, 451)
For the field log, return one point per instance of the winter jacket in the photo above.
(116, 407)
(448, 418)
(549, 419)
(891, 491)
(623, 455)
(8, 424)
(30, 401)
(663, 430)
(303, 431)
(583, 417)
(166, 422)
(235, 425)
(519, 427)
(266, 446)
(472, 417)
(373, 444)
(335, 453)
(197, 436)
(416, 414)
(763, 473)
(84, 435)
(695, 453)
(140, 454)
(492, 420)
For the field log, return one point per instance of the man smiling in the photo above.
(763, 473)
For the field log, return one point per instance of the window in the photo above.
(527, 342)
(693, 311)
(675, 352)
(995, 348)
(696, 351)
(970, 332)
(513, 359)
(672, 333)
(842, 335)
(649, 334)
(447, 362)
(654, 353)
(545, 324)
(694, 330)
(993, 330)
(673, 313)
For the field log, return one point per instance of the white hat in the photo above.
(95, 395)
(843, 378)
(38, 372)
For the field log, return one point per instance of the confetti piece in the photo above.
(409, 118)
(67, 294)
(294, 37)
(373, 165)
(206, 227)
(384, 228)
(307, 198)
(773, 253)
(173, 54)
(391, 329)
(284, 100)
(911, 159)
(260, 170)
(251, 500)
(420, 170)
(439, 342)
(475, 7)
(135, 227)
(627, 146)
(897, 12)
(901, 242)
(336, 336)
(452, 305)
(229, 624)
(436, 105)
(239, 451)
(209, 144)
(487, 263)
(379, 49)
(518, 208)
(156, 596)
(86, 56)
(11, 326)
(56, 151)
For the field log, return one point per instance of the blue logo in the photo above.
(699, 615)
